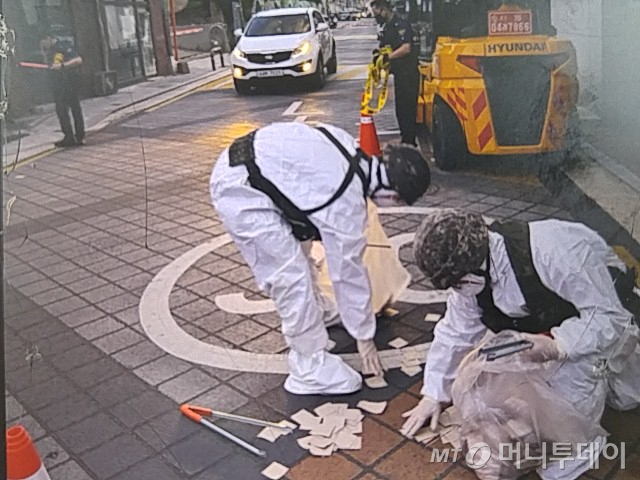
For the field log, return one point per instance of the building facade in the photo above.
(126, 38)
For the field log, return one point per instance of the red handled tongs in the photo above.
(196, 413)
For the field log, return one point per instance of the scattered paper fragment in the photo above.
(411, 362)
(353, 414)
(375, 382)
(411, 371)
(306, 420)
(275, 471)
(320, 442)
(337, 422)
(356, 428)
(426, 435)
(325, 410)
(270, 434)
(432, 317)
(348, 441)
(321, 452)
(323, 430)
(398, 342)
(452, 436)
(372, 407)
(288, 424)
(305, 442)
(390, 312)
(330, 345)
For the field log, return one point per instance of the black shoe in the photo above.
(80, 140)
(66, 142)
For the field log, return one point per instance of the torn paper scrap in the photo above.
(411, 371)
(411, 362)
(426, 436)
(390, 312)
(287, 424)
(275, 471)
(353, 415)
(372, 407)
(329, 409)
(398, 342)
(348, 441)
(320, 442)
(355, 428)
(375, 382)
(432, 317)
(271, 434)
(321, 452)
(449, 417)
(305, 442)
(324, 430)
(306, 420)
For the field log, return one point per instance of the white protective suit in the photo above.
(307, 168)
(602, 343)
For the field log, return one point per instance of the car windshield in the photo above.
(278, 25)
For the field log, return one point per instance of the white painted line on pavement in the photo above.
(355, 37)
(160, 326)
(291, 109)
(301, 118)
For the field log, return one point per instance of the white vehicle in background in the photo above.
(286, 43)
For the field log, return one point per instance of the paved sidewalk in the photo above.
(40, 132)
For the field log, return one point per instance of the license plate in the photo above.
(510, 23)
(270, 73)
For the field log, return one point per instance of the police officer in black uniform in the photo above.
(398, 34)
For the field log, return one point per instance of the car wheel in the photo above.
(449, 142)
(242, 87)
(332, 64)
(317, 79)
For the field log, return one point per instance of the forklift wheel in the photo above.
(449, 142)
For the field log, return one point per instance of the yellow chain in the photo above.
(377, 80)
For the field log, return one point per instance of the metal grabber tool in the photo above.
(196, 413)
(504, 350)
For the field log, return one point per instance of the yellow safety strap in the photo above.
(377, 84)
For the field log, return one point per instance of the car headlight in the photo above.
(238, 53)
(302, 49)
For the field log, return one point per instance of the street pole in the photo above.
(172, 8)
(3, 404)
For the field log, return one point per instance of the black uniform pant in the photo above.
(67, 99)
(406, 85)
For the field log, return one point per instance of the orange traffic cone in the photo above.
(369, 142)
(23, 461)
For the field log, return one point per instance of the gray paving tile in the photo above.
(67, 305)
(117, 389)
(35, 288)
(89, 433)
(194, 310)
(216, 320)
(13, 409)
(82, 316)
(151, 469)
(242, 332)
(69, 471)
(118, 341)
(256, 384)
(116, 455)
(187, 385)
(139, 354)
(68, 411)
(99, 328)
(166, 429)
(48, 391)
(199, 452)
(75, 357)
(86, 284)
(102, 293)
(143, 407)
(95, 372)
(270, 342)
(221, 398)
(30, 424)
(181, 296)
(116, 304)
(51, 453)
(161, 369)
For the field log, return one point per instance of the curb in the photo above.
(600, 193)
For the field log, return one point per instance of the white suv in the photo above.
(279, 43)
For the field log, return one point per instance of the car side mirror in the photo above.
(237, 32)
(322, 27)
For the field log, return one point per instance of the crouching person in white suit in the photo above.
(559, 285)
(280, 187)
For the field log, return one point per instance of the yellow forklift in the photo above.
(499, 81)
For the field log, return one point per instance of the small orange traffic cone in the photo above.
(369, 142)
(23, 461)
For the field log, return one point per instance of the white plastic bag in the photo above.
(387, 275)
(507, 404)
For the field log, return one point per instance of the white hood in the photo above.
(272, 43)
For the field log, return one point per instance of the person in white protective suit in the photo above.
(551, 276)
(286, 184)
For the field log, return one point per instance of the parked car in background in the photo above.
(286, 43)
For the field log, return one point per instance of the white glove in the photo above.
(544, 349)
(427, 408)
(370, 360)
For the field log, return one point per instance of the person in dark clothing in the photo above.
(64, 64)
(398, 34)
